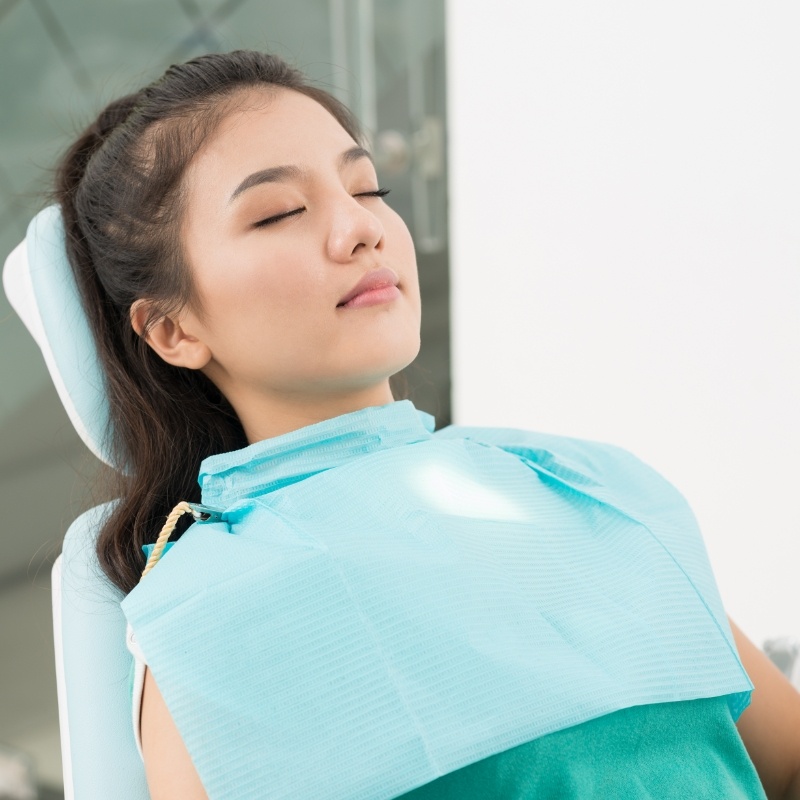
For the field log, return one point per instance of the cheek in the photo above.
(396, 227)
(403, 253)
(400, 237)
(260, 284)
(264, 310)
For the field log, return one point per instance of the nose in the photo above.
(354, 230)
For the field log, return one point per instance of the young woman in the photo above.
(375, 609)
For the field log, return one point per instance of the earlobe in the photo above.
(169, 339)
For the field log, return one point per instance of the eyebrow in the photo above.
(290, 172)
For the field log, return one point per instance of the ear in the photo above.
(169, 338)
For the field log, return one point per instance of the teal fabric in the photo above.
(131, 676)
(391, 603)
(668, 750)
(148, 548)
(75, 365)
(680, 750)
(102, 761)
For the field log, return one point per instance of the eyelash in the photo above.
(278, 217)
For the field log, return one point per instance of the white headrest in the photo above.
(40, 286)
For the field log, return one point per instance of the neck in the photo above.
(264, 416)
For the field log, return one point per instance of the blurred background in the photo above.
(605, 200)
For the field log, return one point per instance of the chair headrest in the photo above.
(41, 288)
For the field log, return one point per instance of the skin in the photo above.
(770, 725)
(266, 329)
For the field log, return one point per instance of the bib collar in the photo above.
(282, 460)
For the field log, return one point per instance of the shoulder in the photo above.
(609, 474)
(579, 462)
(616, 479)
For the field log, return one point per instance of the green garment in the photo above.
(687, 749)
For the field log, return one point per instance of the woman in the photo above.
(399, 612)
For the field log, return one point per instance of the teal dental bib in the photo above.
(382, 604)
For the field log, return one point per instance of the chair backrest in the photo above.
(93, 665)
(93, 674)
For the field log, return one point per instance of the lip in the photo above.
(380, 278)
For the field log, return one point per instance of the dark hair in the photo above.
(120, 191)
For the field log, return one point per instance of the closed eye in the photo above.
(278, 217)
(376, 193)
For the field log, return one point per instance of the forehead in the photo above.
(271, 127)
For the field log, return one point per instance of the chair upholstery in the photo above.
(92, 663)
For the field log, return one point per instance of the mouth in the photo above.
(380, 294)
(377, 286)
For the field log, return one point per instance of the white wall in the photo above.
(625, 226)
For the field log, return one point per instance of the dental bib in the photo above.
(381, 604)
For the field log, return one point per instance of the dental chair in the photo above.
(100, 758)
(99, 754)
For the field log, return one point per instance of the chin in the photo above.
(371, 364)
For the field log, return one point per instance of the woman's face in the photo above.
(282, 222)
